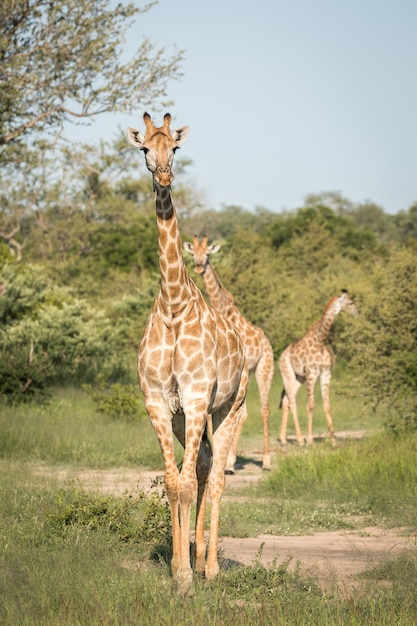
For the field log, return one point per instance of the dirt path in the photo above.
(336, 556)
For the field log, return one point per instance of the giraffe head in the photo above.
(200, 252)
(345, 303)
(159, 146)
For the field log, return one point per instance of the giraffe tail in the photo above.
(282, 397)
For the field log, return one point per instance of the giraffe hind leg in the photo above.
(325, 394)
(264, 373)
(288, 403)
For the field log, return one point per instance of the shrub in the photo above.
(49, 337)
(117, 400)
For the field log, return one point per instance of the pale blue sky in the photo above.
(290, 97)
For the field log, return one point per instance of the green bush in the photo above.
(384, 340)
(117, 400)
(141, 517)
(49, 337)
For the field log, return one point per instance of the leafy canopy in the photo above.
(64, 60)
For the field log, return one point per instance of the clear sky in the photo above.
(290, 97)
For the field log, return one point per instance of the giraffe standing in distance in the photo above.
(192, 372)
(307, 360)
(258, 350)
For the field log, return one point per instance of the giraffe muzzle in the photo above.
(164, 176)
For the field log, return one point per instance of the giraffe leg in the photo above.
(203, 470)
(264, 374)
(293, 409)
(161, 428)
(284, 419)
(187, 487)
(224, 430)
(231, 457)
(311, 381)
(325, 394)
(289, 405)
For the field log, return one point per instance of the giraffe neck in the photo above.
(324, 324)
(174, 276)
(220, 298)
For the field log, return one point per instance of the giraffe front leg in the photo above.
(325, 394)
(284, 419)
(232, 456)
(203, 470)
(310, 411)
(225, 424)
(186, 490)
(171, 489)
(264, 373)
(266, 460)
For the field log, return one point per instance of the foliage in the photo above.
(48, 336)
(316, 234)
(117, 401)
(386, 339)
(64, 60)
(140, 517)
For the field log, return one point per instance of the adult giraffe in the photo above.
(307, 360)
(258, 350)
(192, 372)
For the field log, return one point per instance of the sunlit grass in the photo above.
(69, 431)
(58, 568)
(69, 557)
(372, 481)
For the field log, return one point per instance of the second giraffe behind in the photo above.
(307, 360)
(258, 350)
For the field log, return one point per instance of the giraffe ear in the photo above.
(188, 247)
(135, 137)
(213, 249)
(180, 135)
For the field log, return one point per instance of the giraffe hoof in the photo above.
(229, 472)
(266, 463)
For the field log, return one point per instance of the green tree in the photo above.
(384, 342)
(406, 223)
(49, 336)
(63, 60)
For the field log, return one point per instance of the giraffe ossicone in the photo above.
(307, 360)
(258, 349)
(192, 372)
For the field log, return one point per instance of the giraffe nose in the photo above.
(164, 175)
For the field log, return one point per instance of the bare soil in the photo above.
(335, 557)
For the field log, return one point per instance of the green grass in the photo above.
(71, 557)
(57, 567)
(372, 481)
(69, 431)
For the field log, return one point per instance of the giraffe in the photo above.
(258, 350)
(192, 372)
(307, 360)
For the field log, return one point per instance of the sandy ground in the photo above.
(337, 556)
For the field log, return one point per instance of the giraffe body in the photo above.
(307, 360)
(192, 372)
(258, 350)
